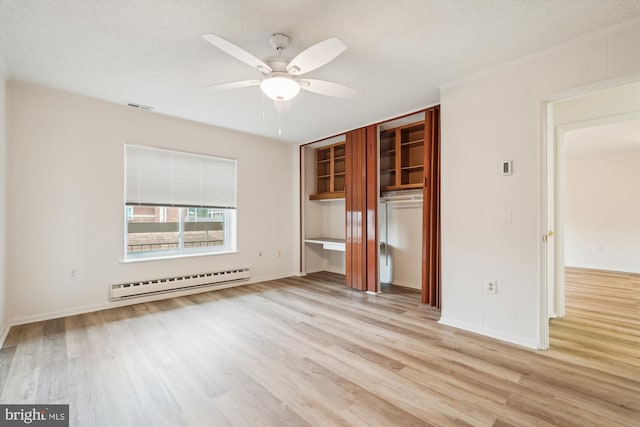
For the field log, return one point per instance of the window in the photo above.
(178, 203)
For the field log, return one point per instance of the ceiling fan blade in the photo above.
(233, 85)
(324, 87)
(237, 52)
(315, 56)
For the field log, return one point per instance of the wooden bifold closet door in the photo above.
(361, 204)
(431, 210)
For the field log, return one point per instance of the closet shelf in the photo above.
(328, 243)
(413, 142)
(402, 187)
(327, 196)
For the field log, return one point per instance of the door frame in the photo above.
(551, 250)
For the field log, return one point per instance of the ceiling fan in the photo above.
(281, 79)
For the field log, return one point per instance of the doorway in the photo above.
(593, 205)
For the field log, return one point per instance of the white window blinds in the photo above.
(172, 178)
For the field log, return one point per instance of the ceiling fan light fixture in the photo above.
(280, 88)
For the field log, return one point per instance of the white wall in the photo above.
(334, 226)
(3, 204)
(603, 212)
(65, 200)
(492, 224)
(402, 265)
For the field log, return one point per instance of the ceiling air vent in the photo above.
(144, 107)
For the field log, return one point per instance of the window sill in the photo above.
(177, 256)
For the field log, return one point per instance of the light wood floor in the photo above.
(303, 351)
(601, 328)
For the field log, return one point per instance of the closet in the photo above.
(402, 164)
(323, 167)
(370, 205)
(409, 210)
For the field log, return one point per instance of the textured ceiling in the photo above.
(398, 52)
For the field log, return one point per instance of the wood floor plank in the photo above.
(601, 329)
(309, 351)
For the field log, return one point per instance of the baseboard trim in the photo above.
(404, 285)
(336, 270)
(4, 331)
(491, 333)
(22, 320)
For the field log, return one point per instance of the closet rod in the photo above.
(401, 200)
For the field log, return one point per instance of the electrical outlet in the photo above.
(72, 274)
(492, 287)
(279, 253)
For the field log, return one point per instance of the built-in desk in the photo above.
(328, 243)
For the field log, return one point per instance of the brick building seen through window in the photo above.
(160, 228)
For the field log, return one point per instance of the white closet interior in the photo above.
(400, 224)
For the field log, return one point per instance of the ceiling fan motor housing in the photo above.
(278, 63)
(279, 41)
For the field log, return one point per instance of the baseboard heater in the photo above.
(170, 284)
